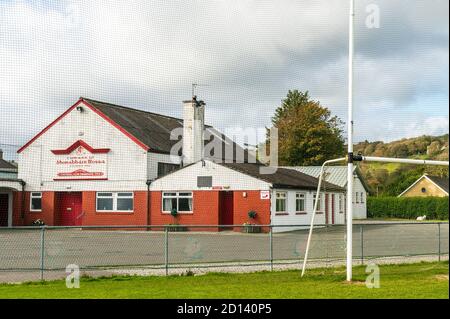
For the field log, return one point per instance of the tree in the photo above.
(307, 132)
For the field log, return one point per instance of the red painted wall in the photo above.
(242, 205)
(91, 217)
(205, 206)
(47, 213)
(17, 209)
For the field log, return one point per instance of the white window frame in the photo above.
(32, 196)
(114, 196)
(357, 197)
(361, 197)
(321, 203)
(300, 198)
(341, 203)
(285, 202)
(178, 196)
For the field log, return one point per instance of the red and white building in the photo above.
(104, 164)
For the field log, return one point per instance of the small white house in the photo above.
(337, 175)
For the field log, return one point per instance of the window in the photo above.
(36, 202)
(357, 197)
(181, 201)
(115, 202)
(166, 168)
(362, 197)
(280, 202)
(341, 203)
(319, 204)
(124, 202)
(424, 190)
(300, 202)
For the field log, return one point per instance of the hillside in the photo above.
(391, 179)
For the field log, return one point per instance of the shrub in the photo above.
(408, 207)
(38, 222)
(252, 214)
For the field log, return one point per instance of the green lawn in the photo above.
(423, 280)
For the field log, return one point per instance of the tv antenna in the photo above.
(195, 85)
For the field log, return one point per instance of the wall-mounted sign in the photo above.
(264, 194)
(81, 162)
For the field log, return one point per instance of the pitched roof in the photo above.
(336, 174)
(7, 165)
(442, 182)
(282, 177)
(150, 130)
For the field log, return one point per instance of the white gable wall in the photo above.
(186, 179)
(126, 162)
(360, 208)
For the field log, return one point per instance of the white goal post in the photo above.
(357, 158)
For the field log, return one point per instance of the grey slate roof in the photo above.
(442, 182)
(282, 178)
(336, 174)
(8, 171)
(154, 129)
(6, 165)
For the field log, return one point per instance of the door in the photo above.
(226, 208)
(327, 210)
(70, 209)
(4, 199)
(332, 209)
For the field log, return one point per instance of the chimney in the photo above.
(193, 130)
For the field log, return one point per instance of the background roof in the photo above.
(442, 182)
(282, 178)
(336, 174)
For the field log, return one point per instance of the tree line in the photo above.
(309, 134)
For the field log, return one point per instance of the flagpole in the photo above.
(350, 145)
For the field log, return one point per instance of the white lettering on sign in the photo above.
(81, 164)
(265, 194)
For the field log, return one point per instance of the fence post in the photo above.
(166, 249)
(361, 233)
(271, 247)
(42, 257)
(439, 241)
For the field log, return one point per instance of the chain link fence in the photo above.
(33, 253)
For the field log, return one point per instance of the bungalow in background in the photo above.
(337, 175)
(427, 186)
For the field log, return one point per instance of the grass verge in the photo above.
(422, 280)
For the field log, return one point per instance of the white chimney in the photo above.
(193, 130)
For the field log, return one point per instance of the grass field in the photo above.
(423, 280)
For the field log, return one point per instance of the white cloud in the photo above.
(146, 54)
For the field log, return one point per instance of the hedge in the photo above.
(408, 207)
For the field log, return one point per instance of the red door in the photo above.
(4, 210)
(226, 208)
(70, 209)
(327, 211)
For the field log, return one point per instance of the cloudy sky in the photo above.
(246, 54)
